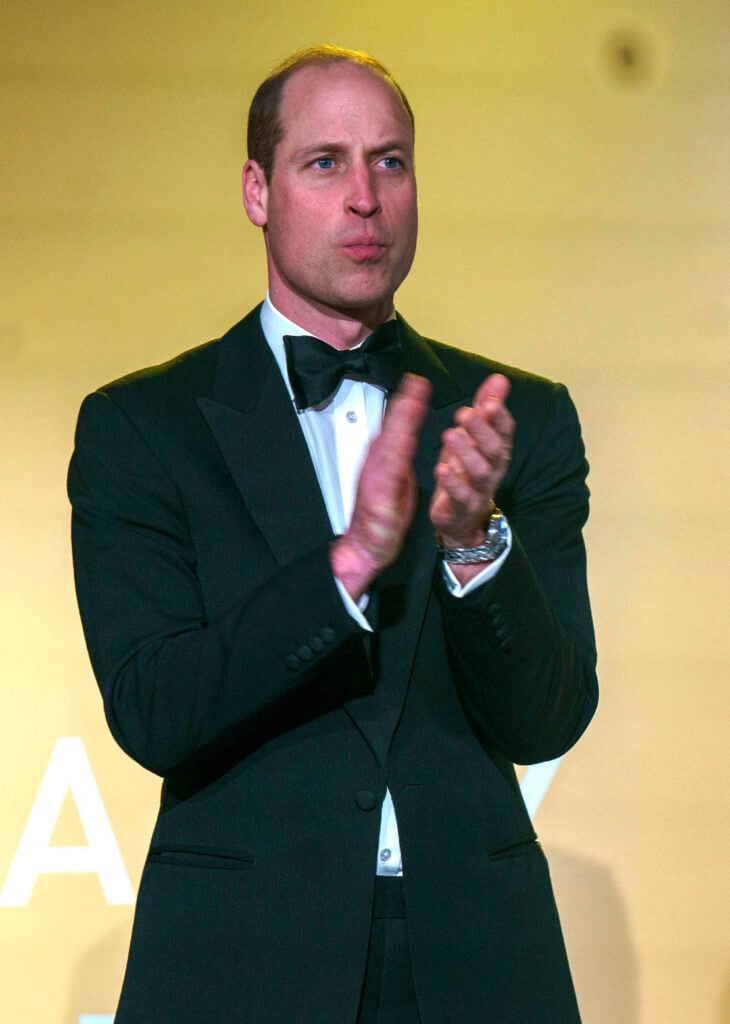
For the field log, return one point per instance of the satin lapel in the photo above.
(254, 423)
(401, 594)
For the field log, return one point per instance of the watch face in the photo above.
(497, 533)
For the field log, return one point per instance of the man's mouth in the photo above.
(364, 249)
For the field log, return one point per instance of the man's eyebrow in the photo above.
(319, 148)
(397, 146)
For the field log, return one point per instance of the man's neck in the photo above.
(335, 327)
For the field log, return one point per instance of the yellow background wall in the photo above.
(575, 201)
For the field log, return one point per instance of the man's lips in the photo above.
(364, 248)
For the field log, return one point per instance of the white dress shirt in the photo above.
(338, 433)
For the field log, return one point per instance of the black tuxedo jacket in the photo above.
(229, 666)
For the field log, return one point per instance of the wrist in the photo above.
(464, 541)
(487, 548)
(470, 536)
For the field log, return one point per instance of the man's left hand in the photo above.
(473, 460)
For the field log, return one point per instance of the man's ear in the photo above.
(255, 192)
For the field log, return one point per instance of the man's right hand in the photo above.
(386, 492)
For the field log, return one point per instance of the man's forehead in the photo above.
(309, 84)
(325, 75)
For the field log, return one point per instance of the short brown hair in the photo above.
(264, 124)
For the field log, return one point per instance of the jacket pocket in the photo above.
(515, 849)
(200, 857)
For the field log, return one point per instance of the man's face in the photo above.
(339, 212)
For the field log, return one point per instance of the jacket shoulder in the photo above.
(468, 367)
(531, 396)
(541, 407)
(192, 371)
(192, 367)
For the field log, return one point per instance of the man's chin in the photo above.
(367, 291)
(365, 308)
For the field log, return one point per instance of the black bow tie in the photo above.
(316, 369)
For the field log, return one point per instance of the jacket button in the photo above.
(328, 634)
(317, 644)
(293, 663)
(305, 653)
(366, 799)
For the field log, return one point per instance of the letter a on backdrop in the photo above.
(68, 771)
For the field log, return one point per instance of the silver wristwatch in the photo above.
(492, 548)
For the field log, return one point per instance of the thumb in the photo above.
(496, 387)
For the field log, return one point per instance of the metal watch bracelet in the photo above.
(492, 548)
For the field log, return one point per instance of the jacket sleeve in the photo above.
(177, 683)
(522, 645)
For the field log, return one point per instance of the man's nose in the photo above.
(362, 196)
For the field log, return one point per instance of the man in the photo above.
(333, 641)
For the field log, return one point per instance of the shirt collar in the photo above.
(275, 325)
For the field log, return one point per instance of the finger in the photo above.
(494, 442)
(404, 417)
(468, 476)
(410, 399)
(492, 413)
(451, 477)
(495, 387)
(462, 452)
(489, 401)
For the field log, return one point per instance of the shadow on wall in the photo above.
(600, 948)
(96, 979)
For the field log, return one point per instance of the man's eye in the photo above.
(324, 163)
(391, 162)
